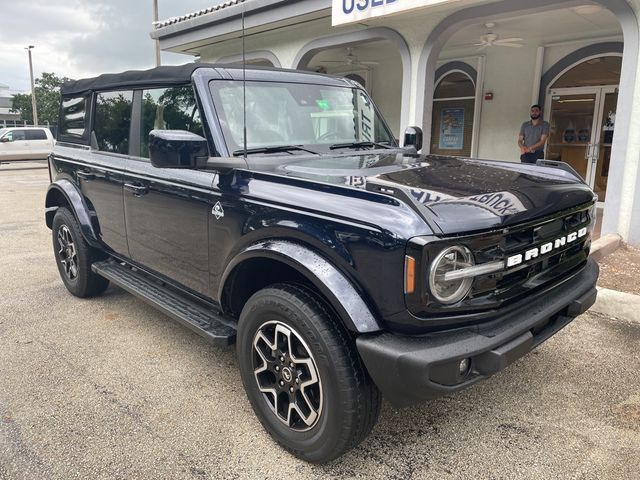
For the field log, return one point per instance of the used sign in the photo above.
(348, 11)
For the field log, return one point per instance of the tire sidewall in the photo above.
(322, 438)
(78, 285)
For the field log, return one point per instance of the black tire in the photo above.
(74, 257)
(345, 399)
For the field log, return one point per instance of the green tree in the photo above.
(47, 91)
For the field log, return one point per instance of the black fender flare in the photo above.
(333, 284)
(78, 207)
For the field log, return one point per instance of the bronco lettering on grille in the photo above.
(545, 248)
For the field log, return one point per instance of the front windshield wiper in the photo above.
(358, 145)
(274, 149)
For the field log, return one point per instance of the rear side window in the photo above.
(113, 120)
(73, 117)
(36, 134)
(171, 108)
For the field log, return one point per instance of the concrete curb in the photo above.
(604, 246)
(618, 304)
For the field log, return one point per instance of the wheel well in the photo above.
(55, 198)
(253, 275)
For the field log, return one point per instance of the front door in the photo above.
(167, 213)
(582, 122)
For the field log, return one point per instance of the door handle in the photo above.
(86, 175)
(137, 190)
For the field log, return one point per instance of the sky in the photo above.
(82, 38)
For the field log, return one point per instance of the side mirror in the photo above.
(5, 139)
(413, 137)
(177, 149)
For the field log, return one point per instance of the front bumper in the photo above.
(408, 369)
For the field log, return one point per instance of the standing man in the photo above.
(533, 136)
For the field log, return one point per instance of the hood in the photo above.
(456, 195)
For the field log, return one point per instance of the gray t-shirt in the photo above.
(532, 133)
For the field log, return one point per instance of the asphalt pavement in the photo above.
(111, 388)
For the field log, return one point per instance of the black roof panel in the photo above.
(181, 74)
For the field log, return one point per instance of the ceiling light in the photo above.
(587, 9)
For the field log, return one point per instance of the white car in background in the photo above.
(25, 143)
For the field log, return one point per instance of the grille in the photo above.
(518, 281)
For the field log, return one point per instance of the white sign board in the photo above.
(348, 11)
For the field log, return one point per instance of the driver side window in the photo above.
(15, 136)
(172, 108)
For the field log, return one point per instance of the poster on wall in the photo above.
(451, 129)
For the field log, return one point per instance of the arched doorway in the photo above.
(453, 114)
(581, 107)
(363, 53)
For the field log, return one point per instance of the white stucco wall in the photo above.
(509, 75)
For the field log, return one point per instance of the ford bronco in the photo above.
(275, 209)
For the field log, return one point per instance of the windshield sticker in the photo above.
(366, 118)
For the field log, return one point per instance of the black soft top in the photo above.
(181, 74)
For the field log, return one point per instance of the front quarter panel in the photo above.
(334, 286)
(361, 234)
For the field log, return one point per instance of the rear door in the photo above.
(39, 143)
(167, 210)
(102, 177)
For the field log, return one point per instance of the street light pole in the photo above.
(155, 19)
(33, 89)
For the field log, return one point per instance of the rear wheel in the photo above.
(74, 256)
(302, 373)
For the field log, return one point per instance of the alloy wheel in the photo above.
(67, 253)
(287, 375)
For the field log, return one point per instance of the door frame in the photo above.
(593, 148)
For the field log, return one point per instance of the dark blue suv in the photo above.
(275, 209)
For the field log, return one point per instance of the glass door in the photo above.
(601, 151)
(582, 121)
(572, 123)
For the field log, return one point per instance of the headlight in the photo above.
(450, 260)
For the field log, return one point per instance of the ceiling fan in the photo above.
(493, 40)
(351, 59)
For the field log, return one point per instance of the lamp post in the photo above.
(157, 42)
(33, 89)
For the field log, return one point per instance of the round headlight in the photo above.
(450, 291)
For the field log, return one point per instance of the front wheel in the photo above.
(74, 256)
(302, 373)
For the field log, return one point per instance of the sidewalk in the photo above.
(624, 306)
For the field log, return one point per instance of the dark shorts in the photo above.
(532, 157)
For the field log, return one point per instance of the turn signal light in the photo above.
(409, 274)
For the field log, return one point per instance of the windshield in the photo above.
(288, 114)
(3, 130)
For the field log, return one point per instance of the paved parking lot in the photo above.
(110, 388)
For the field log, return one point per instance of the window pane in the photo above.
(296, 114)
(593, 72)
(113, 119)
(17, 135)
(168, 109)
(452, 127)
(73, 116)
(455, 84)
(36, 134)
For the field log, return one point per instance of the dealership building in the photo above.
(474, 64)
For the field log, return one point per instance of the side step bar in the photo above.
(206, 322)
